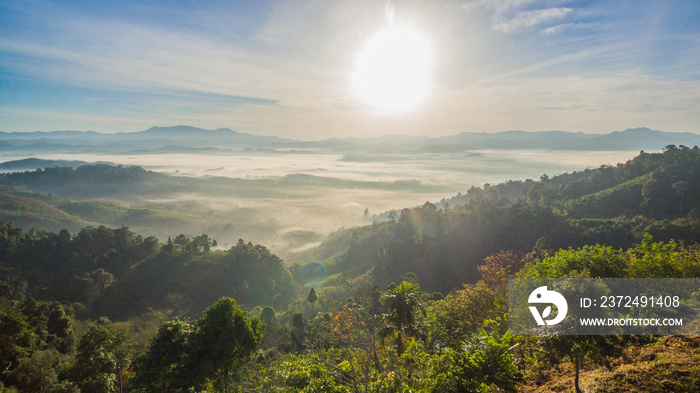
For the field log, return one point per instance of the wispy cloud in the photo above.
(567, 26)
(525, 19)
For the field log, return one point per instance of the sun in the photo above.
(392, 72)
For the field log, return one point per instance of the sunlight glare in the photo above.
(393, 70)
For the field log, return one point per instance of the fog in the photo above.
(289, 201)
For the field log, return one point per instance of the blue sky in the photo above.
(286, 67)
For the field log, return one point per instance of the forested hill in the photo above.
(657, 185)
(96, 181)
(657, 193)
(119, 274)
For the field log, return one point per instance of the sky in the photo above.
(290, 68)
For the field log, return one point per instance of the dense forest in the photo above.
(415, 303)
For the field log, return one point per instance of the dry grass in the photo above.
(670, 365)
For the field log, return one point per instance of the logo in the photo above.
(542, 295)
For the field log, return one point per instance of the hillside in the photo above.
(669, 365)
(443, 244)
(31, 164)
(32, 213)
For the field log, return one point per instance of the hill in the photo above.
(670, 365)
(148, 140)
(33, 213)
(31, 164)
(443, 244)
(117, 273)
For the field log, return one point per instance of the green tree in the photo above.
(597, 350)
(681, 187)
(39, 373)
(16, 338)
(312, 298)
(227, 338)
(589, 261)
(272, 327)
(185, 357)
(101, 359)
(269, 318)
(168, 365)
(482, 365)
(403, 304)
(298, 333)
(461, 314)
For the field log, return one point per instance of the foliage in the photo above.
(166, 365)
(34, 341)
(312, 298)
(187, 356)
(596, 261)
(483, 365)
(462, 313)
(186, 277)
(101, 359)
(59, 266)
(401, 317)
(669, 260)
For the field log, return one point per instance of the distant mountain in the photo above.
(630, 139)
(198, 137)
(186, 139)
(155, 138)
(31, 164)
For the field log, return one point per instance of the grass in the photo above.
(670, 365)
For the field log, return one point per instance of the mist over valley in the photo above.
(286, 194)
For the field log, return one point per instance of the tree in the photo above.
(185, 356)
(583, 263)
(272, 328)
(16, 338)
(681, 187)
(312, 298)
(166, 366)
(298, 332)
(227, 337)
(269, 318)
(402, 304)
(596, 349)
(38, 373)
(462, 313)
(101, 359)
(482, 365)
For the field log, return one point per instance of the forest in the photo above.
(414, 302)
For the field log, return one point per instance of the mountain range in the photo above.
(187, 139)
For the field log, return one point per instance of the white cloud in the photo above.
(525, 19)
(567, 27)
